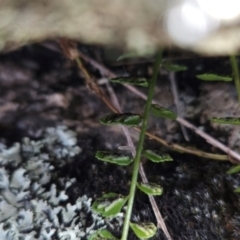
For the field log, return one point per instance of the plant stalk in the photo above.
(140, 146)
(235, 71)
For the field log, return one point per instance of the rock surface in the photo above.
(132, 25)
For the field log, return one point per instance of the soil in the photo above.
(39, 88)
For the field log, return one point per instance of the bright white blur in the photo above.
(223, 10)
(187, 23)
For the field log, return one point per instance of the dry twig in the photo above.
(176, 101)
(175, 147)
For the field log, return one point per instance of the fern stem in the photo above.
(235, 71)
(140, 146)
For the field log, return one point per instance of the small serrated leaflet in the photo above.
(157, 156)
(138, 81)
(226, 120)
(102, 234)
(128, 55)
(114, 157)
(173, 67)
(213, 77)
(234, 169)
(144, 230)
(159, 111)
(136, 54)
(237, 190)
(115, 207)
(127, 119)
(150, 188)
(109, 204)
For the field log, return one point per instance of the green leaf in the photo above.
(114, 157)
(227, 120)
(157, 156)
(102, 235)
(127, 119)
(159, 111)
(213, 77)
(144, 230)
(136, 54)
(127, 56)
(237, 190)
(150, 188)
(173, 67)
(234, 169)
(109, 204)
(131, 80)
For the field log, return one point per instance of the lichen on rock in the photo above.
(32, 206)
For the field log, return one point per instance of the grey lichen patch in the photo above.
(31, 210)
